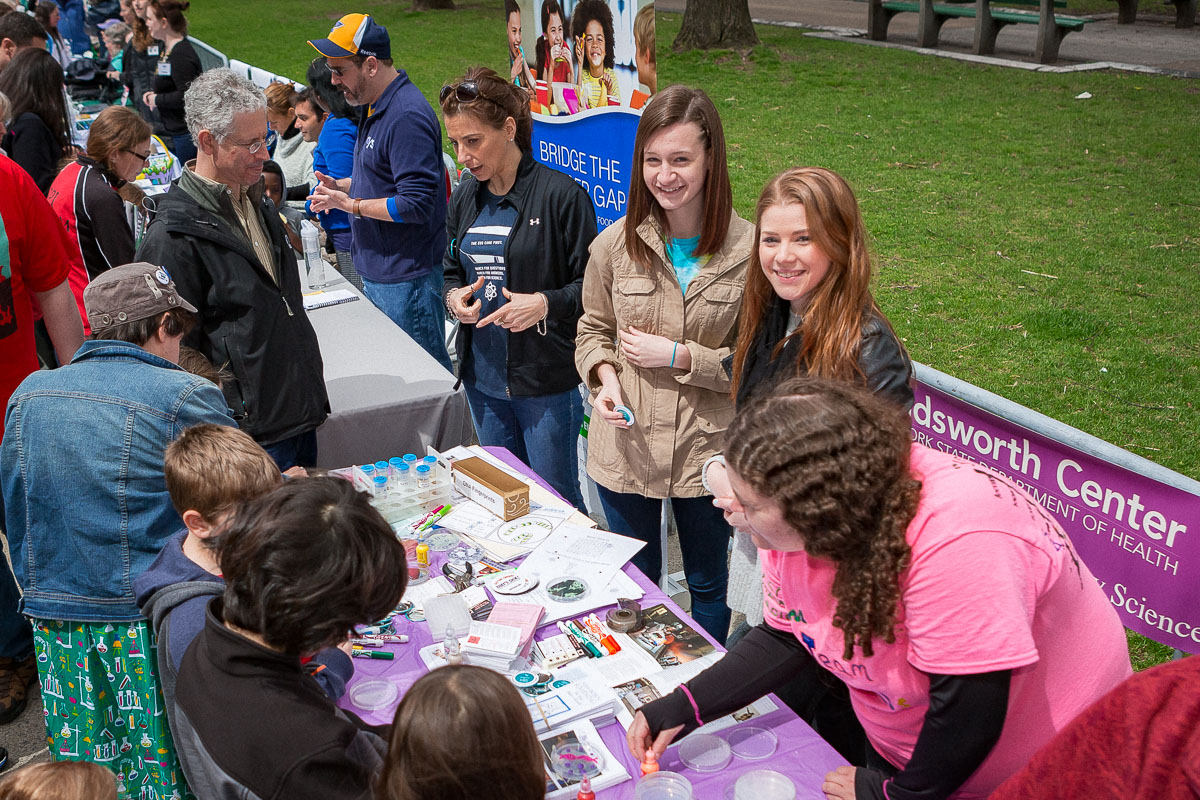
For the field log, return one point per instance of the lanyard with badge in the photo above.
(164, 66)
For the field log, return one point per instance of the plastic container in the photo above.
(752, 742)
(411, 458)
(764, 784)
(704, 752)
(400, 470)
(314, 265)
(380, 486)
(374, 694)
(424, 479)
(663, 786)
(381, 468)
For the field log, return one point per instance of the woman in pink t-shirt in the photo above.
(952, 606)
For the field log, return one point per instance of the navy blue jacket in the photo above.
(398, 155)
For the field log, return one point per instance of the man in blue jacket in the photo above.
(396, 195)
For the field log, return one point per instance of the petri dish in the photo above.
(574, 761)
(764, 784)
(567, 589)
(663, 786)
(704, 752)
(443, 541)
(752, 742)
(374, 694)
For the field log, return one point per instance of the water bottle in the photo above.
(314, 265)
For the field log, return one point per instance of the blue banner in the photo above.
(595, 148)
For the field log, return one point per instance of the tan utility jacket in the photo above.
(680, 416)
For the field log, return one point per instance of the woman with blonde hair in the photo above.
(293, 153)
(90, 193)
(660, 308)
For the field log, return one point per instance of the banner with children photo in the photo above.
(589, 68)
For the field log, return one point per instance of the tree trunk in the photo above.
(716, 24)
(430, 5)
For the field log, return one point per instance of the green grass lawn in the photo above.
(1041, 247)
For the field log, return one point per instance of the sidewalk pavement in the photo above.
(1153, 42)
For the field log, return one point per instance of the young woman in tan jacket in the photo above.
(660, 304)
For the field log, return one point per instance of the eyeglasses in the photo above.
(137, 155)
(253, 147)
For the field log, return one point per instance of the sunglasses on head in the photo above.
(464, 92)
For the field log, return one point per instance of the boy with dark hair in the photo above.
(302, 565)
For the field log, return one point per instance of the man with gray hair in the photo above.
(222, 240)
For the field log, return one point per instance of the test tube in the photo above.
(381, 468)
(411, 458)
(423, 477)
(381, 486)
(403, 473)
(395, 464)
(368, 473)
(435, 471)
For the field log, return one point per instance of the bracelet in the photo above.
(719, 458)
(674, 347)
(357, 207)
(541, 323)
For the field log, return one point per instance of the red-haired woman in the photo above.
(660, 308)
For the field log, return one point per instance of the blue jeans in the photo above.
(541, 431)
(417, 308)
(184, 148)
(298, 451)
(703, 539)
(16, 632)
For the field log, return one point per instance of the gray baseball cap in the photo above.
(129, 293)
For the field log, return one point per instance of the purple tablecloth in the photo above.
(802, 754)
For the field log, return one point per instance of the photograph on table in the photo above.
(636, 693)
(669, 639)
(576, 55)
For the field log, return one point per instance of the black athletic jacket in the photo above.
(251, 723)
(254, 326)
(547, 252)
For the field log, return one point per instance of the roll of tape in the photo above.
(627, 618)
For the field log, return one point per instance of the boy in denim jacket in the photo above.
(87, 510)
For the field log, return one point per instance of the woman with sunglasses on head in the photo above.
(660, 309)
(177, 66)
(518, 237)
(90, 194)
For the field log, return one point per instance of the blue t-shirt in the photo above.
(334, 156)
(686, 265)
(482, 252)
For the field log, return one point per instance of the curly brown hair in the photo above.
(836, 460)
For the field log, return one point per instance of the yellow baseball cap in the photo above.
(354, 35)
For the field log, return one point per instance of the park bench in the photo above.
(1051, 27)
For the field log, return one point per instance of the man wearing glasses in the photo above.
(223, 242)
(396, 194)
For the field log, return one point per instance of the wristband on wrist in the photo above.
(717, 459)
(357, 208)
(674, 347)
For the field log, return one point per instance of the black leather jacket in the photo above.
(881, 358)
(547, 252)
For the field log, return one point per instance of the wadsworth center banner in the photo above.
(589, 67)
(1134, 523)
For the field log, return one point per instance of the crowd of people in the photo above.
(925, 615)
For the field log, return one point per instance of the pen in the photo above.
(606, 638)
(579, 650)
(358, 652)
(420, 525)
(358, 643)
(585, 639)
(390, 638)
(433, 517)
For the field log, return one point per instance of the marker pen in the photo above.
(585, 639)
(384, 655)
(606, 638)
(579, 649)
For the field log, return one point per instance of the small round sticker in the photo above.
(162, 276)
(525, 679)
(567, 589)
(558, 684)
(512, 583)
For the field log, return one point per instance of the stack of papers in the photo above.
(521, 616)
(579, 569)
(492, 646)
(573, 701)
